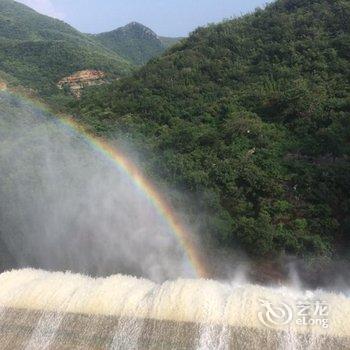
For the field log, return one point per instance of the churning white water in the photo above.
(217, 313)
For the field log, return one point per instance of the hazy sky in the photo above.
(165, 17)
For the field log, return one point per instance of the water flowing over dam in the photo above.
(65, 206)
(43, 310)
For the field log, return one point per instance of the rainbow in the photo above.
(120, 160)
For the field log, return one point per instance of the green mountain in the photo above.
(135, 42)
(250, 118)
(38, 50)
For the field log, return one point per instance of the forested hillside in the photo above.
(38, 50)
(135, 42)
(249, 118)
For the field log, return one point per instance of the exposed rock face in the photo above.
(82, 79)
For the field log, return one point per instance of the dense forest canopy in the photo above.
(249, 118)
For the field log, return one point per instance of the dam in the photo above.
(44, 310)
(71, 202)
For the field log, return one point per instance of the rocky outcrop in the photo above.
(79, 80)
(3, 86)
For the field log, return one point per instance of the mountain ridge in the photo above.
(37, 51)
(135, 42)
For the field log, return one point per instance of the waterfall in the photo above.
(63, 206)
(45, 331)
(43, 310)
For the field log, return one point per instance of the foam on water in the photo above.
(203, 302)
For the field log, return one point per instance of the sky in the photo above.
(165, 17)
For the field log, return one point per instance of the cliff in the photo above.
(79, 80)
(3, 86)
